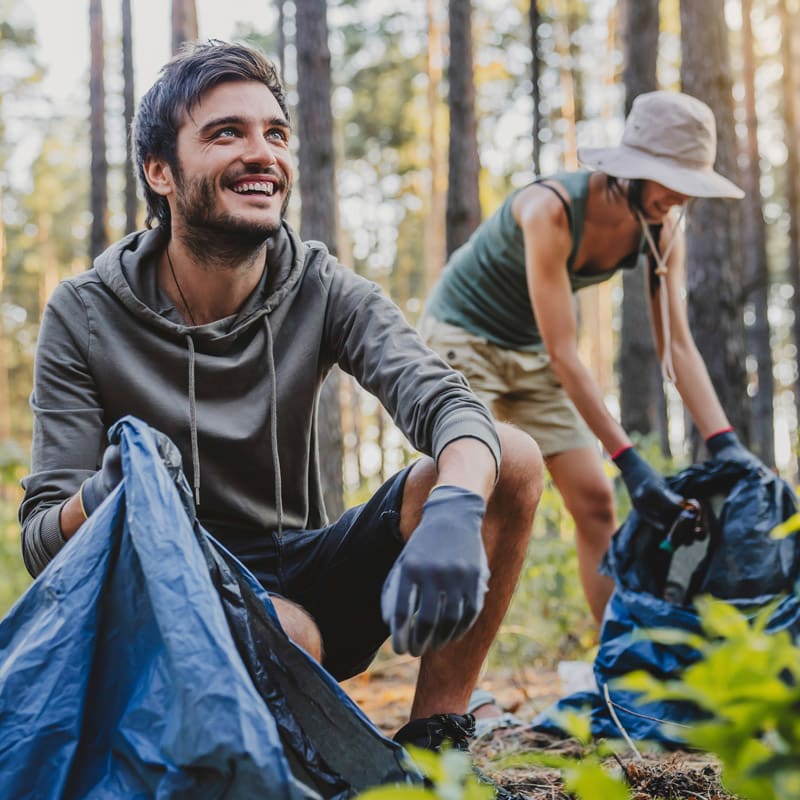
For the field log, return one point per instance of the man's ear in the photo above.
(158, 175)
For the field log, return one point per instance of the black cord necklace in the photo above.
(180, 291)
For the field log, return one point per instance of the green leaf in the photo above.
(721, 619)
(398, 792)
(590, 781)
(786, 528)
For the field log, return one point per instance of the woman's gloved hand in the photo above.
(654, 501)
(725, 446)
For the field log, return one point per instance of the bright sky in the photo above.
(62, 28)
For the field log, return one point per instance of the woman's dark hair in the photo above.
(182, 82)
(633, 195)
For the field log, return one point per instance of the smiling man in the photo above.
(217, 326)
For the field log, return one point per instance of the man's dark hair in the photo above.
(633, 195)
(182, 82)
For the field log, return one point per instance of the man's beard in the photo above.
(217, 236)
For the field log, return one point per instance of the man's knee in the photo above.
(519, 484)
(299, 626)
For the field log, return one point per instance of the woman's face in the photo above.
(657, 201)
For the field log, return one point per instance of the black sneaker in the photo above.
(432, 732)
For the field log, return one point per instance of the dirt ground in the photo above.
(384, 694)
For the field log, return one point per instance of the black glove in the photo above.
(725, 446)
(434, 592)
(100, 485)
(655, 502)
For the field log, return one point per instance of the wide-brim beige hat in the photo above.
(670, 138)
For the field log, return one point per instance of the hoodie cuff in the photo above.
(52, 537)
(472, 428)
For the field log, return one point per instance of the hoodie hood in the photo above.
(129, 269)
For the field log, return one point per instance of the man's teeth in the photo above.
(260, 186)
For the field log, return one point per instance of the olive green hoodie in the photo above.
(237, 396)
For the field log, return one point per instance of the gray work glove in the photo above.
(654, 501)
(96, 488)
(434, 592)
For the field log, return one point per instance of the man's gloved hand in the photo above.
(434, 592)
(655, 502)
(100, 485)
(725, 446)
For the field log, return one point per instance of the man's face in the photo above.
(234, 172)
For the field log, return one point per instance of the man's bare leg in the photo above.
(448, 676)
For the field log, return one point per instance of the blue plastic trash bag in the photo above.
(146, 662)
(732, 558)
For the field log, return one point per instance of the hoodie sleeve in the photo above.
(370, 338)
(68, 429)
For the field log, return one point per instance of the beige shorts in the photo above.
(517, 386)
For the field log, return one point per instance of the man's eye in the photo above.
(278, 134)
(223, 133)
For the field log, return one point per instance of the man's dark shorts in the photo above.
(337, 573)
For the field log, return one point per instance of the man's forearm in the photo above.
(469, 463)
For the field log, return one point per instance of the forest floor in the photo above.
(384, 694)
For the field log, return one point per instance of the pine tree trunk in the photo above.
(131, 202)
(463, 197)
(713, 242)
(792, 189)
(184, 23)
(435, 235)
(534, 18)
(642, 403)
(97, 133)
(756, 269)
(318, 207)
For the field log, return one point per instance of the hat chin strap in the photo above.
(667, 368)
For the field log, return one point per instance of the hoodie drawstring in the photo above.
(193, 423)
(273, 426)
(667, 368)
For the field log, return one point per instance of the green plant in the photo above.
(449, 774)
(748, 681)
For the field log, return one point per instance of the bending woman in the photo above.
(503, 314)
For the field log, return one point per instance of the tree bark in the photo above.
(318, 207)
(463, 195)
(792, 189)
(756, 268)
(713, 242)
(184, 23)
(131, 202)
(435, 234)
(97, 133)
(643, 407)
(536, 63)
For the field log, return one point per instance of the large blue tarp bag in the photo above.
(732, 557)
(147, 662)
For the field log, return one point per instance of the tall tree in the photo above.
(792, 190)
(463, 197)
(536, 63)
(97, 134)
(318, 204)
(642, 403)
(184, 23)
(756, 270)
(435, 232)
(131, 203)
(713, 243)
